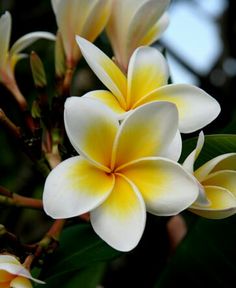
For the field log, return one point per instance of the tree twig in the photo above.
(13, 199)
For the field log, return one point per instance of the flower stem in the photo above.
(48, 243)
(56, 228)
(9, 125)
(13, 199)
(12, 86)
(67, 81)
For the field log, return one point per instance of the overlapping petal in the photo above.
(129, 24)
(222, 203)
(173, 151)
(156, 30)
(222, 178)
(107, 99)
(221, 162)
(140, 24)
(145, 132)
(217, 184)
(147, 71)
(166, 188)
(75, 187)
(85, 18)
(71, 16)
(147, 82)
(10, 267)
(196, 108)
(105, 69)
(96, 20)
(120, 220)
(91, 128)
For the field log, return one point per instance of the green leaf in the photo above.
(87, 278)
(79, 248)
(205, 258)
(214, 145)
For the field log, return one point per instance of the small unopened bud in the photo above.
(38, 71)
(35, 110)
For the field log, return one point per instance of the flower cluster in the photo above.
(128, 137)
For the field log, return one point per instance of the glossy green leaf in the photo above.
(214, 145)
(79, 248)
(85, 278)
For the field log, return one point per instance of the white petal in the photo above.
(96, 20)
(174, 149)
(11, 265)
(91, 128)
(166, 187)
(156, 30)
(147, 131)
(108, 99)
(221, 162)
(5, 34)
(8, 259)
(148, 70)
(129, 23)
(85, 18)
(222, 178)
(222, 203)
(71, 16)
(26, 40)
(75, 187)
(196, 108)
(104, 68)
(120, 220)
(141, 24)
(189, 161)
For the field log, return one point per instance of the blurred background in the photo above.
(201, 50)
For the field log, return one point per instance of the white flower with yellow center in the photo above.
(120, 172)
(134, 23)
(13, 274)
(146, 82)
(83, 17)
(217, 184)
(9, 57)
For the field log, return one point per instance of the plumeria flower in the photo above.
(147, 81)
(134, 23)
(83, 17)
(217, 183)
(120, 172)
(9, 57)
(13, 274)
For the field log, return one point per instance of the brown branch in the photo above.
(9, 125)
(48, 243)
(13, 199)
